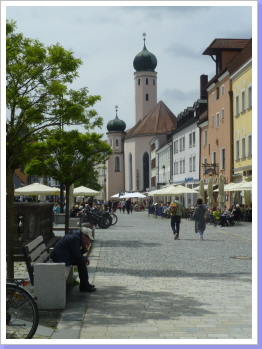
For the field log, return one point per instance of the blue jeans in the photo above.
(175, 224)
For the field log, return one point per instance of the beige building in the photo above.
(241, 80)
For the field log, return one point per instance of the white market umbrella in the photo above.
(134, 195)
(118, 196)
(173, 190)
(221, 192)
(210, 198)
(201, 190)
(37, 189)
(244, 186)
(84, 191)
(238, 186)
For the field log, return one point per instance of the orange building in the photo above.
(216, 130)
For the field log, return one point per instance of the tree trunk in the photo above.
(10, 223)
(67, 209)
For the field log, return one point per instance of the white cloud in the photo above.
(107, 38)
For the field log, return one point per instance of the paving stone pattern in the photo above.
(150, 286)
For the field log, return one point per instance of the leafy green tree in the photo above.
(68, 157)
(37, 98)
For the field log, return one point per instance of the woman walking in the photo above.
(199, 217)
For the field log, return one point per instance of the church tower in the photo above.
(144, 64)
(115, 165)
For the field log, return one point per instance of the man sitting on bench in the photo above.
(70, 250)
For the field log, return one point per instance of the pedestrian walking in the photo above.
(123, 205)
(128, 205)
(109, 205)
(199, 217)
(175, 211)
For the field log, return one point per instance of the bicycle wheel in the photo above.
(22, 315)
(114, 219)
(104, 222)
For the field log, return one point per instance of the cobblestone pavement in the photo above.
(150, 286)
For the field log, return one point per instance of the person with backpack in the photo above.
(175, 212)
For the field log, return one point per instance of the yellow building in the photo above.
(241, 80)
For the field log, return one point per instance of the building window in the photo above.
(214, 157)
(184, 166)
(217, 93)
(237, 105)
(194, 138)
(190, 140)
(146, 81)
(223, 159)
(154, 82)
(222, 90)
(180, 143)
(243, 101)
(117, 144)
(250, 96)
(145, 171)
(223, 114)
(138, 81)
(250, 145)
(213, 97)
(190, 164)
(194, 163)
(117, 164)
(184, 141)
(181, 166)
(130, 172)
(213, 120)
(237, 150)
(217, 119)
(243, 148)
(147, 97)
(205, 137)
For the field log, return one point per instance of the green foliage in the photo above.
(37, 93)
(68, 156)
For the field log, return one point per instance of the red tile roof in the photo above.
(225, 44)
(159, 120)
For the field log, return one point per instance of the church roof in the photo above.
(145, 61)
(159, 120)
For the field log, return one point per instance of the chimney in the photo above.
(203, 83)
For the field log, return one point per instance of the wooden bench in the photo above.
(49, 279)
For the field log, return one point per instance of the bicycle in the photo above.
(22, 315)
(114, 218)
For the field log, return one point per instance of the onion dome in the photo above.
(116, 125)
(145, 60)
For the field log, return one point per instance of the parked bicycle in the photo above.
(95, 218)
(22, 315)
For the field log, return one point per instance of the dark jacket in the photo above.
(199, 216)
(68, 250)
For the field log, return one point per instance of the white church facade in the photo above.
(129, 167)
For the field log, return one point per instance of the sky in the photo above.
(108, 37)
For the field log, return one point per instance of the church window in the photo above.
(130, 172)
(147, 97)
(145, 171)
(154, 82)
(146, 81)
(138, 81)
(117, 164)
(117, 143)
